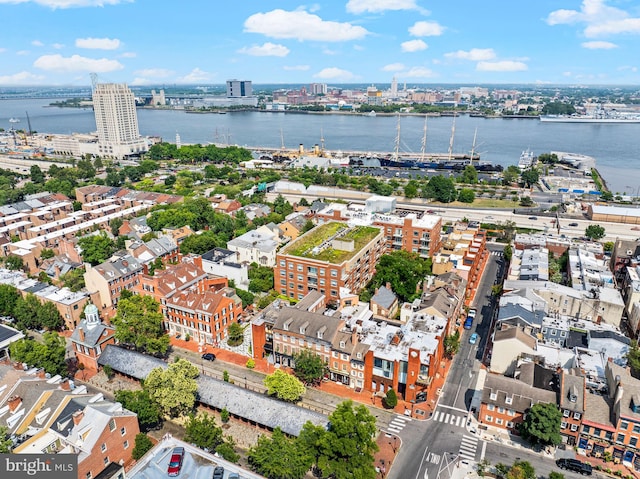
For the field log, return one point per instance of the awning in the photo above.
(582, 444)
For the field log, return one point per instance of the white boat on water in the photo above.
(527, 159)
(372, 113)
(14, 120)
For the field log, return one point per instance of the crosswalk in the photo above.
(433, 458)
(496, 253)
(468, 447)
(450, 418)
(398, 423)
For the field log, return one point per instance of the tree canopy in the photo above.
(403, 270)
(203, 431)
(49, 355)
(310, 368)
(148, 410)
(347, 449)
(279, 457)
(441, 189)
(542, 424)
(138, 324)
(594, 232)
(9, 296)
(96, 249)
(174, 388)
(260, 278)
(284, 386)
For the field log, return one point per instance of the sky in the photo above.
(156, 42)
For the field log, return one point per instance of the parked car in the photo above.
(468, 322)
(575, 465)
(533, 218)
(473, 339)
(573, 224)
(472, 313)
(175, 463)
(209, 356)
(233, 475)
(218, 472)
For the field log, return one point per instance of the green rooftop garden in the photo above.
(310, 244)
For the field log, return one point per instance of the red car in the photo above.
(175, 463)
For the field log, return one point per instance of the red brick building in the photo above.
(90, 338)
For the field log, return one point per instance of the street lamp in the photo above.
(245, 382)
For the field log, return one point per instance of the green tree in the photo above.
(47, 253)
(86, 169)
(138, 324)
(5, 441)
(530, 177)
(633, 359)
(236, 335)
(49, 317)
(202, 431)
(308, 226)
(26, 311)
(74, 279)
(507, 252)
(510, 175)
(97, 163)
(521, 470)
(347, 449)
(404, 271)
(466, 195)
(542, 424)
(594, 232)
(309, 440)
(284, 386)
(608, 246)
(469, 175)
(37, 176)
(556, 475)
(14, 263)
(9, 296)
(174, 388)
(227, 450)
(411, 189)
(441, 189)
(452, 344)
(391, 399)
(96, 249)
(142, 445)
(279, 457)
(49, 355)
(260, 278)
(148, 411)
(115, 225)
(310, 368)
(282, 206)
(246, 297)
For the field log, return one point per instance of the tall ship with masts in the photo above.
(436, 161)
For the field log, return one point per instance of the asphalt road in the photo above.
(432, 448)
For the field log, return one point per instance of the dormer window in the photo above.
(319, 334)
(509, 400)
(573, 398)
(342, 344)
(493, 396)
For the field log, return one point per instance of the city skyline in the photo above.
(588, 42)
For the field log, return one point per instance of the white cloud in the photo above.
(302, 26)
(413, 46)
(475, 54)
(57, 46)
(22, 78)
(267, 49)
(375, 6)
(68, 3)
(22, 52)
(141, 81)
(196, 76)
(502, 66)
(599, 45)
(76, 63)
(328, 51)
(2, 50)
(37, 43)
(393, 67)
(628, 68)
(299, 68)
(418, 72)
(128, 55)
(426, 29)
(334, 73)
(599, 18)
(358, 48)
(98, 43)
(154, 72)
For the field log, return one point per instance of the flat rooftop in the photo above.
(319, 243)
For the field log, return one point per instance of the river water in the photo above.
(616, 147)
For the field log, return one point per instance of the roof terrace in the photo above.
(333, 242)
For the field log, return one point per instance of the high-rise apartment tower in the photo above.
(116, 121)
